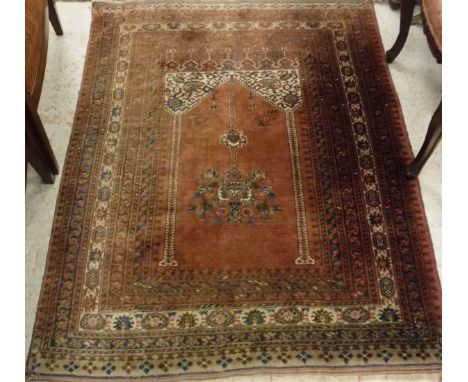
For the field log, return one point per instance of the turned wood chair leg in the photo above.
(54, 18)
(407, 9)
(38, 150)
(434, 133)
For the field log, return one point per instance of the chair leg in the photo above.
(38, 149)
(54, 18)
(407, 9)
(394, 4)
(37, 161)
(434, 133)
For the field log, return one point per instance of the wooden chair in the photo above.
(432, 22)
(38, 150)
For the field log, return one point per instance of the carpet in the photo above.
(233, 201)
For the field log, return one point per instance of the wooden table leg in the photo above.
(38, 150)
(434, 133)
(407, 9)
(54, 18)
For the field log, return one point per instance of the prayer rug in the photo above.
(233, 200)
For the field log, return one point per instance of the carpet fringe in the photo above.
(285, 375)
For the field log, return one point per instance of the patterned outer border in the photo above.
(297, 356)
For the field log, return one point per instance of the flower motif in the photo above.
(389, 315)
(234, 197)
(89, 303)
(187, 320)
(174, 104)
(95, 255)
(192, 86)
(264, 358)
(254, 317)
(356, 315)
(221, 212)
(289, 315)
(101, 213)
(386, 287)
(220, 318)
(322, 316)
(272, 84)
(375, 218)
(154, 321)
(244, 358)
(70, 367)
(345, 356)
(204, 362)
(35, 364)
(146, 367)
(93, 321)
(326, 356)
(365, 355)
(246, 212)
(123, 323)
(185, 364)
(90, 367)
(128, 367)
(303, 357)
(108, 368)
(385, 355)
(224, 361)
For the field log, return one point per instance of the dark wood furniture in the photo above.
(432, 23)
(54, 18)
(38, 150)
(395, 4)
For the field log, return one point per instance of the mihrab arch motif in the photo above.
(184, 91)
